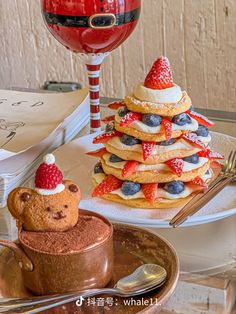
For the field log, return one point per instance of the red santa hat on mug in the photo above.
(48, 178)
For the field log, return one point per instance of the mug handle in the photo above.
(20, 256)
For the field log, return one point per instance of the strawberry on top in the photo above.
(160, 76)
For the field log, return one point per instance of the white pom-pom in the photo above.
(49, 159)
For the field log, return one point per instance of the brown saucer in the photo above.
(133, 247)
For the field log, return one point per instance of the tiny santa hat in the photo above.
(48, 178)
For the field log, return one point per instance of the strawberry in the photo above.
(129, 118)
(97, 153)
(167, 125)
(193, 139)
(104, 137)
(129, 168)
(108, 185)
(215, 155)
(200, 118)
(160, 76)
(48, 176)
(116, 105)
(199, 181)
(150, 191)
(210, 154)
(216, 164)
(203, 153)
(108, 119)
(176, 165)
(147, 148)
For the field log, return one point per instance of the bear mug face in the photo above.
(35, 212)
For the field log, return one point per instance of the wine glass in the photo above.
(92, 28)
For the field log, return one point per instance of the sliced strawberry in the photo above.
(203, 153)
(147, 148)
(215, 155)
(193, 139)
(167, 125)
(116, 105)
(108, 119)
(176, 165)
(199, 181)
(129, 118)
(129, 168)
(208, 153)
(200, 118)
(108, 185)
(97, 153)
(104, 137)
(160, 76)
(216, 164)
(150, 191)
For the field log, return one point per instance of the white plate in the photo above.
(78, 166)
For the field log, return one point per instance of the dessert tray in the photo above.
(132, 247)
(77, 165)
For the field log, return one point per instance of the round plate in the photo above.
(132, 247)
(78, 166)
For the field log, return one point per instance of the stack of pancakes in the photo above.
(156, 152)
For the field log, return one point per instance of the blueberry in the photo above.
(174, 187)
(130, 188)
(151, 119)
(110, 127)
(208, 172)
(123, 111)
(98, 168)
(182, 119)
(167, 143)
(191, 108)
(114, 158)
(194, 159)
(129, 140)
(202, 131)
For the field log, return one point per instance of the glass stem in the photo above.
(94, 88)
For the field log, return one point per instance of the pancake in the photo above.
(163, 109)
(125, 152)
(155, 176)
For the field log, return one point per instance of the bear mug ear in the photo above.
(73, 189)
(17, 200)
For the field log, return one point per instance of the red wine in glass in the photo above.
(92, 28)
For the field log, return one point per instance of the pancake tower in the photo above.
(156, 150)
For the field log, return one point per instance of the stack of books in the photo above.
(32, 124)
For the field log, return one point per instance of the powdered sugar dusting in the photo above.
(193, 138)
(105, 137)
(199, 181)
(155, 105)
(215, 155)
(201, 118)
(176, 165)
(147, 148)
(160, 76)
(130, 117)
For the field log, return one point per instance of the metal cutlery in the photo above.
(226, 175)
(144, 279)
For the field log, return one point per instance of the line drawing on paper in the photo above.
(11, 129)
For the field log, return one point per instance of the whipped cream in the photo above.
(158, 167)
(179, 144)
(189, 189)
(140, 126)
(60, 187)
(207, 176)
(167, 95)
(205, 139)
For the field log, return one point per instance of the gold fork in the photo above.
(202, 198)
